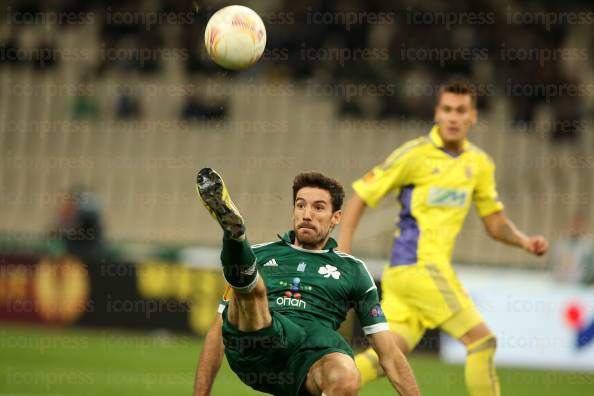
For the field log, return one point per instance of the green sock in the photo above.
(239, 264)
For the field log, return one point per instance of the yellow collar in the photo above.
(438, 141)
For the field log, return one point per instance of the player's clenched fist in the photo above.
(537, 245)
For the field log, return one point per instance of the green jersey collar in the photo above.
(289, 237)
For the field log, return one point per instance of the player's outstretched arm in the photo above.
(350, 219)
(394, 363)
(501, 228)
(210, 359)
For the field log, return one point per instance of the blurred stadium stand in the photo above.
(281, 117)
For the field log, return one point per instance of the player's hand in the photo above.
(537, 245)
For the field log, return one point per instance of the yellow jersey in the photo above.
(435, 189)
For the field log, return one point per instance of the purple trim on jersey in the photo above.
(450, 153)
(404, 249)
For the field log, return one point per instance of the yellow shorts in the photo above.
(426, 296)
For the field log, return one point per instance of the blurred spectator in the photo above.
(568, 119)
(196, 110)
(45, 55)
(10, 52)
(572, 256)
(79, 226)
(196, 60)
(85, 106)
(128, 107)
(149, 55)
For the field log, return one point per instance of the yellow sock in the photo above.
(479, 372)
(368, 364)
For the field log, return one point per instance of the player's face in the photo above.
(454, 114)
(313, 217)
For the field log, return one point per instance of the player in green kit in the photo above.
(289, 296)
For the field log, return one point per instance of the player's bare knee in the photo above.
(487, 342)
(490, 341)
(346, 383)
(476, 334)
(342, 377)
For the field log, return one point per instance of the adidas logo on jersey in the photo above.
(270, 263)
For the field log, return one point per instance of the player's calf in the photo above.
(249, 311)
(479, 372)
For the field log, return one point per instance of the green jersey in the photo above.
(318, 285)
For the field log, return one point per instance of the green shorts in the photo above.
(276, 359)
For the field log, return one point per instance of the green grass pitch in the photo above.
(44, 361)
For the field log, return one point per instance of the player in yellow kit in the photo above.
(436, 179)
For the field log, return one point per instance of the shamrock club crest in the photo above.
(329, 271)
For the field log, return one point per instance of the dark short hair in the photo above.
(459, 88)
(318, 180)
